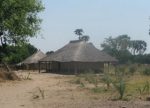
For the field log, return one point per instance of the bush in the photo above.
(146, 71)
(8, 76)
(132, 70)
(120, 87)
(145, 89)
(98, 90)
(107, 80)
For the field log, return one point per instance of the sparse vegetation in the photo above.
(146, 71)
(77, 88)
(8, 76)
(144, 89)
(42, 93)
(132, 70)
(26, 77)
(107, 80)
(99, 90)
(120, 86)
(123, 82)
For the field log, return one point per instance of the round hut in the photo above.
(32, 61)
(77, 56)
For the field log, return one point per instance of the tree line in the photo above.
(19, 22)
(15, 54)
(125, 49)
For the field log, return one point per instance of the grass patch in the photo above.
(146, 71)
(8, 76)
(125, 83)
(98, 90)
(120, 86)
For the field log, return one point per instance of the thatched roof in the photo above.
(79, 51)
(34, 58)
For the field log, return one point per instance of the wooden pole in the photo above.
(108, 66)
(39, 67)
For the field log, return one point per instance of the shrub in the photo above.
(8, 76)
(132, 70)
(145, 89)
(42, 93)
(91, 78)
(107, 80)
(120, 87)
(98, 90)
(146, 71)
(78, 81)
(120, 71)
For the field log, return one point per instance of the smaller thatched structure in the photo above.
(32, 61)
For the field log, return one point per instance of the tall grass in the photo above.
(145, 89)
(42, 93)
(146, 71)
(119, 81)
(107, 80)
(123, 79)
(120, 87)
(90, 78)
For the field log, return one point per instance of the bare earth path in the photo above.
(54, 91)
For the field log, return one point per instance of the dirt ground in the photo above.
(47, 90)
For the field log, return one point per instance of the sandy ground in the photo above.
(47, 90)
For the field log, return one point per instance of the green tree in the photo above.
(85, 38)
(16, 54)
(123, 42)
(116, 46)
(79, 32)
(138, 46)
(49, 52)
(122, 47)
(18, 21)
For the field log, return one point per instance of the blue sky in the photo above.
(98, 18)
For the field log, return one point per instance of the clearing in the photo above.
(47, 90)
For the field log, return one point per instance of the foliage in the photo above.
(119, 43)
(120, 86)
(85, 38)
(146, 71)
(79, 32)
(107, 80)
(138, 46)
(143, 59)
(145, 89)
(122, 82)
(18, 22)
(125, 49)
(91, 78)
(49, 52)
(132, 70)
(98, 90)
(82, 37)
(16, 54)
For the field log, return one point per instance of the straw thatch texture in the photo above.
(79, 51)
(34, 58)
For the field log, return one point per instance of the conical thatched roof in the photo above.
(34, 58)
(79, 51)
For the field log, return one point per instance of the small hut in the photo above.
(77, 56)
(32, 61)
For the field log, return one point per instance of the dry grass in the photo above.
(68, 91)
(8, 76)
